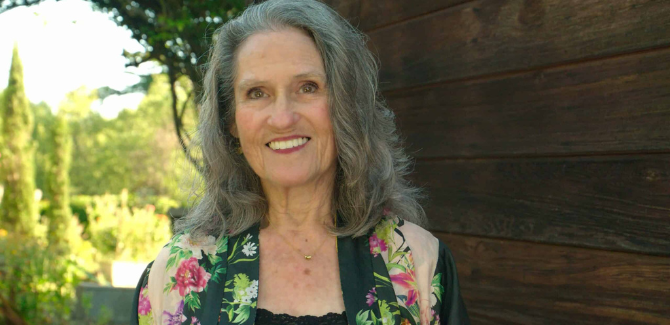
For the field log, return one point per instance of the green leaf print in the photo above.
(391, 266)
(241, 282)
(362, 318)
(222, 244)
(217, 272)
(397, 254)
(170, 285)
(438, 288)
(214, 259)
(229, 312)
(242, 314)
(387, 281)
(385, 311)
(192, 301)
(171, 262)
(145, 319)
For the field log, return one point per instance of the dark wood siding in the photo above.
(541, 130)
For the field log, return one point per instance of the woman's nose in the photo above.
(283, 114)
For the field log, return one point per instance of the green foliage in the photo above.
(175, 34)
(19, 210)
(36, 286)
(2, 143)
(59, 181)
(138, 150)
(120, 232)
(42, 135)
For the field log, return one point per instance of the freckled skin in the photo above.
(292, 285)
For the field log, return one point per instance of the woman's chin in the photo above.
(291, 179)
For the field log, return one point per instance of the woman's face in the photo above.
(281, 109)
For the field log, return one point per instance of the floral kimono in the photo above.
(396, 274)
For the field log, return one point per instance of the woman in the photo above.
(306, 216)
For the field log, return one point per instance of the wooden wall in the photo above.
(541, 130)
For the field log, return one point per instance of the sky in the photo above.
(65, 45)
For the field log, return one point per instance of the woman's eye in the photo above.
(255, 93)
(308, 88)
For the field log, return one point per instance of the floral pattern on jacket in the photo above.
(216, 281)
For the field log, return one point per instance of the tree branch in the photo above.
(178, 124)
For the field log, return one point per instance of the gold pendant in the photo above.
(308, 257)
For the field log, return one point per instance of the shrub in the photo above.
(34, 285)
(120, 232)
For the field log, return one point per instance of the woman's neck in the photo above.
(300, 209)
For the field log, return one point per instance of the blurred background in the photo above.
(540, 129)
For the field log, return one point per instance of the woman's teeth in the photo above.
(288, 144)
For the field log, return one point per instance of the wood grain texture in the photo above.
(509, 282)
(614, 202)
(615, 105)
(485, 37)
(349, 9)
(375, 13)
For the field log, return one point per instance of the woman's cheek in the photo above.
(246, 127)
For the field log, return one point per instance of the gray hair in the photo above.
(371, 163)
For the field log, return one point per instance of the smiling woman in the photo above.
(281, 113)
(307, 216)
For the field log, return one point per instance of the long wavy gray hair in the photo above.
(372, 164)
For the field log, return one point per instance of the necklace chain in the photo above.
(307, 256)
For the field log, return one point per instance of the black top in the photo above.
(266, 317)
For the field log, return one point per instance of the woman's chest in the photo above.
(292, 285)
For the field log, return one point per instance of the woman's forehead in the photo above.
(289, 52)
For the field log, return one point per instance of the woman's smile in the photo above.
(289, 144)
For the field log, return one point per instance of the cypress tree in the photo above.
(19, 209)
(59, 181)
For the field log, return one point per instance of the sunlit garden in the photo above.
(82, 194)
(87, 200)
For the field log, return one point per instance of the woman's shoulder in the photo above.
(184, 265)
(183, 248)
(393, 228)
(393, 232)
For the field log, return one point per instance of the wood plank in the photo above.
(375, 13)
(613, 202)
(349, 9)
(615, 105)
(485, 37)
(508, 282)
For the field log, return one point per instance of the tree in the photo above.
(59, 181)
(42, 136)
(175, 33)
(138, 150)
(19, 209)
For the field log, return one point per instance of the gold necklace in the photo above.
(307, 257)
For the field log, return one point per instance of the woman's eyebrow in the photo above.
(248, 82)
(245, 83)
(308, 75)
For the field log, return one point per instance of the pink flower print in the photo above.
(412, 295)
(194, 321)
(377, 245)
(191, 276)
(144, 306)
(177, 318)
(371, 296)
(407, 280)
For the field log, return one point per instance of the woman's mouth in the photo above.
(288, 146)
